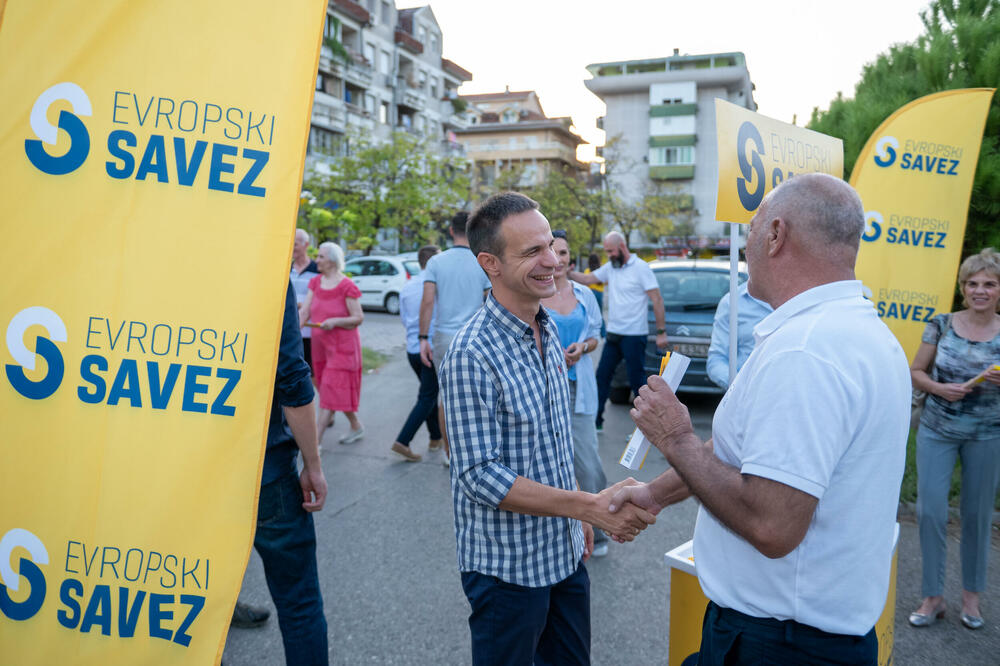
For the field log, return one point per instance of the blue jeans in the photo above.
(425, 411)
(512, 624)
(980, 470)
(630, 347)
(286, 543)
(730, 637)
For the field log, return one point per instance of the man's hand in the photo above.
(626, 523)
(426, 353)
(952, 392)
(640, 495)
(661, 341)
(588, 541)
(659, 415)
(573, 354)
(313, 488)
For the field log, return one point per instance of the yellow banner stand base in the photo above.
(688, 603)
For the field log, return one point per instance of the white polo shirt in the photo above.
(821, 405)
(626, 292)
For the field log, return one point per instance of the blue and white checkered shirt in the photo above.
(508, 415)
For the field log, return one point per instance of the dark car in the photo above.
(691, 291)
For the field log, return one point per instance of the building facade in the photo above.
(660, 124)
(382, 70)
(510, 130)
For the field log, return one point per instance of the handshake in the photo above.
(623, 510)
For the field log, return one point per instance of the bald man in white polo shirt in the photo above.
(631, 285)
(799, 484)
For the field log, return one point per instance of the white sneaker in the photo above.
(446, 461)
(352, 436)
(600, 550)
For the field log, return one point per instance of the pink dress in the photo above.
(336, 354)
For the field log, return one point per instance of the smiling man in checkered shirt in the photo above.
(523, 528)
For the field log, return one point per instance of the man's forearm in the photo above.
(426, 312)
(657, 302)
(669, 488)
(583, 278)
(302, 422)
(771, 516)
(537, 499)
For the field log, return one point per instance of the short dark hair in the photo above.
(425, 253)
(458, 222)
(593, 261)
(485, 221)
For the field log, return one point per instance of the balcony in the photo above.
(678, 172)
(408, 42)
(412, 98)
(450, 118)
(329, 112)
(459, 73)
(452, 148)
(352, 9)
(662, 110)
(359, 74)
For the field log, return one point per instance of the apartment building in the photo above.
(510, 130)
(663, 112)
(382, 70)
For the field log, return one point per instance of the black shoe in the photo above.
(246, 616)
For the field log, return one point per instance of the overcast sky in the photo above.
(799, 52)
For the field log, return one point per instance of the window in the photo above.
(422, 81)
(323, 140)
(354, 268)
(386, 12)
(671, 156)
(509, 116)
(386, 63)
(434, 87)
(383, 113)
(370, 103)
(434, 43)
(421, 34)
(319, 82)
(385, 268)
(370, 54)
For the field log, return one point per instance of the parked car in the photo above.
(691, 291)
(380, 279)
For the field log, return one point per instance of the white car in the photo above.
(380, 279)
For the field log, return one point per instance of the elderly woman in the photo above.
(577, 317)
(333, 309)
(956, 365)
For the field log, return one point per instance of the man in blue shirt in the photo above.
(523, 530)
(426, 409)
(286, 537)
(749, 311)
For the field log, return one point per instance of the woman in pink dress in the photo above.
(333, 309)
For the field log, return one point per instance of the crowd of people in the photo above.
(795, 528)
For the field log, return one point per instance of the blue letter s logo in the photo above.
(79, 137)
(10, 579)
(885, 151)
(748, 132)
(873, 226)
(43, 388)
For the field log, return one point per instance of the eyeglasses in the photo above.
(559, 233)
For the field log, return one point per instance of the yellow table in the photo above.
(688, 602)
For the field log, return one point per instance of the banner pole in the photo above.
(734, 254)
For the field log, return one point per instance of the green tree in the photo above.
(960, 48)
(374, 186)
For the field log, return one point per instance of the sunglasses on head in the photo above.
(559, 233)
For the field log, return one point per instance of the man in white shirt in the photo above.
(749, 312)
(800, 482)
(630, 285)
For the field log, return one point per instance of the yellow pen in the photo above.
(663, 362)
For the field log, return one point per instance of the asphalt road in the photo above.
(388, 568)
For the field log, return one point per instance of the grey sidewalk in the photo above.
(390, 581)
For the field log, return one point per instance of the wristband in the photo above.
(661, 331)
(421, 337)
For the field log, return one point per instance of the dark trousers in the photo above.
(286, 543)
(517, 625)
(731, 637)
(425, 411)
(630, 347)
